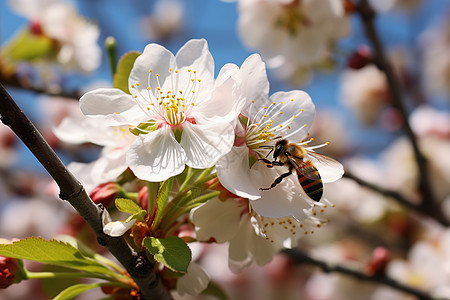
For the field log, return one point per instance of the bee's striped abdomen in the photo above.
(312, 183)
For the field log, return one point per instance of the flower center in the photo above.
(291, 19)
(122, 133)
(173, 102)
(261, 130)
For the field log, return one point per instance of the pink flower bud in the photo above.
(10, 271)
(143, 197)
(378, 262)
(7, 138)
(106, 193)
(360, 58)
(36, 28)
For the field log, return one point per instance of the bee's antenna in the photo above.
(268, 147)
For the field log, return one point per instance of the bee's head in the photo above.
(279, 146)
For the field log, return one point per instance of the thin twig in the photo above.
(434, 214)
(302, 258)
(137, 265)
(16, 82)
(368, 15)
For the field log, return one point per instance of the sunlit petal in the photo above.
(234, 174)
(205, 144)
(156, 156)
(216, 219)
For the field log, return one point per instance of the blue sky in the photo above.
(216, 21)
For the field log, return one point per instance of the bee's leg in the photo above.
(267, 162)
(270, 164)
(278, 180)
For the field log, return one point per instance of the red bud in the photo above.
(378, 262)
(10, 271)
(106, 193)
(360, 58)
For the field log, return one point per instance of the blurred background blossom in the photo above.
(317, 46)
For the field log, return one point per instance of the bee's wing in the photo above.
(306, 168)
(329, 168)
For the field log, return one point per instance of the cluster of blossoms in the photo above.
(177, 114)
(434, 43)
(294, 36)
(56, 33)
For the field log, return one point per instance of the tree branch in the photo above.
(434, 214)
(301, 257)
(138, 267)
(368, 15)
(16, 82)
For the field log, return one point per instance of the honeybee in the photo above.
(299, 158)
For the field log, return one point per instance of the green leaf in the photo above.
(52, 252)
(124, 67)
(84, 250)
(128, 206)
(27, 46)
(140, 216)
(163, 197)
(173, 252)
(75, 290)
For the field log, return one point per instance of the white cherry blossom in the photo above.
(116, 140)
(293, 35)
(365, 92)
(434, 44)
(76, 38)
(252, 238)
(284, 115)
(177, 97)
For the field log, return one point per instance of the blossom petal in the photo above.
(155, 58)
(253, 81)
(227, 71)
(286, 199)
(247, 247)
(234, 174)
(223, 106)
(205, 144)
(156, 156)
(114, 228)
(111, 107)
(72, 131)
(293, 114)
(256, 27)
(110, 164)
(194, 281)
(117, 228)
(239, 255)
(90, 130)
(83, 173)
(107, 167)
(216, 219)
(195, 55)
